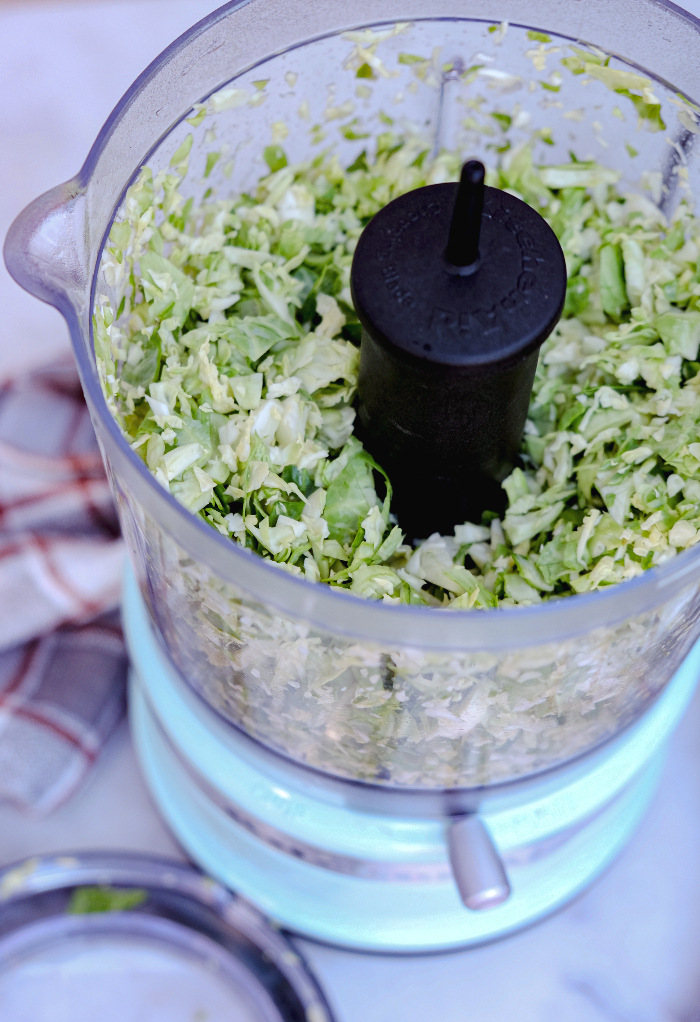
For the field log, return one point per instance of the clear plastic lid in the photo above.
(398, 696)
(122, 938)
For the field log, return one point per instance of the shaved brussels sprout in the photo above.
(232, 369)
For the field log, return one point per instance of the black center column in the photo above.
(456, 288)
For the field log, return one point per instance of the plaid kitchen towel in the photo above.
(62, 658)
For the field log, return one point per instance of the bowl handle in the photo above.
(46, 248)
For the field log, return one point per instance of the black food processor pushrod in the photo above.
(456, 287)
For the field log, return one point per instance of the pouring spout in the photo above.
(45, 249)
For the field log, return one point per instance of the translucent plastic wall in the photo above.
(399, 696)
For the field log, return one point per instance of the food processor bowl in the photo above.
(390, 699)
(386, 869)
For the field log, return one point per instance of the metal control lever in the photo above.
(476, 865)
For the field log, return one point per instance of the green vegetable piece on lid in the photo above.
(85, 900)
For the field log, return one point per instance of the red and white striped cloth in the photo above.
(62, 659)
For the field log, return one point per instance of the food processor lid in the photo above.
(112, 935)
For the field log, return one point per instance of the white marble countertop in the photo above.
(626, 951)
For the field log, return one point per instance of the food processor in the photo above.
(388, 778)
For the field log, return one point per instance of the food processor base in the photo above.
(359, 879)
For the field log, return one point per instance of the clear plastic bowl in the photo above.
(397, 696)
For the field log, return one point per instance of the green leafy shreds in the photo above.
(275, 157)
(85, 900)
(349, 499)
(232, 369)
(634, 87)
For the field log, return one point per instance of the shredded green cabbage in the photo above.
(232, 368)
